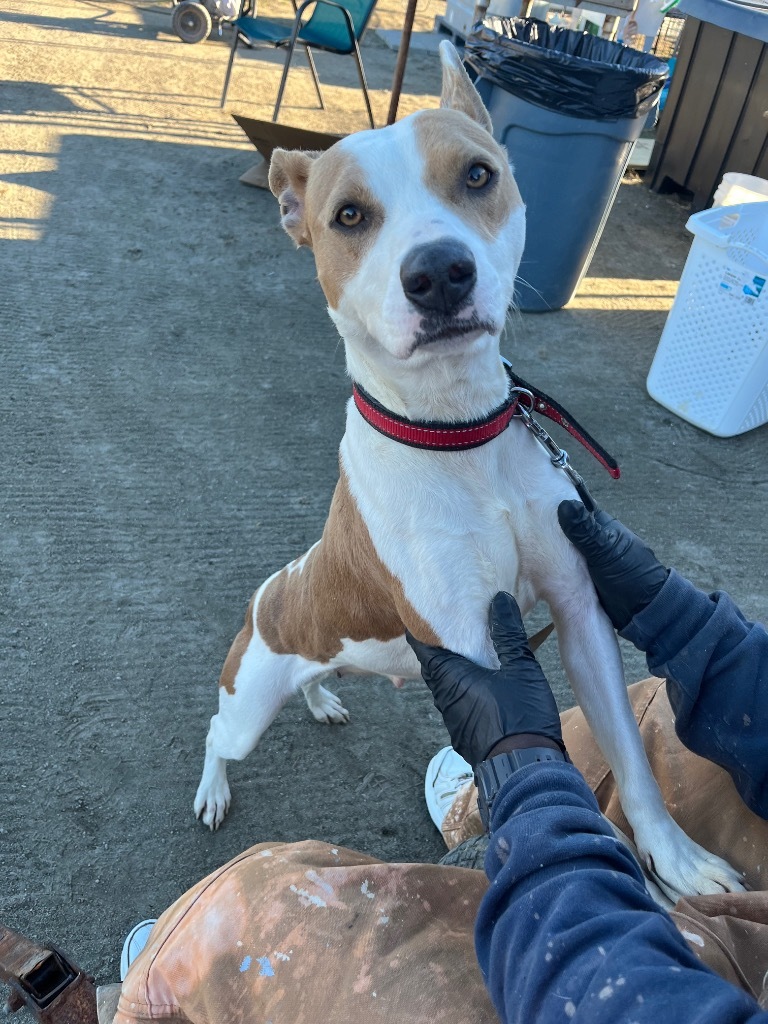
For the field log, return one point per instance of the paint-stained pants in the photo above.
(301, 933)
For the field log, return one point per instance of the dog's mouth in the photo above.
(435, 329)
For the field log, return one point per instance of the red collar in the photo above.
(454, 437)
(438, 437)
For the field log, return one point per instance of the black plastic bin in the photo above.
(568, 106)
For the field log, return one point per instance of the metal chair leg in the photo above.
(236, 35)
(284, 79)
(364, 84)
(315, 79)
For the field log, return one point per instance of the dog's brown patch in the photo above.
(337, 180)
(310, 202)
(237, 650)
(450, 143)
(342, 592)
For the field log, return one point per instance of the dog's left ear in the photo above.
(288, 175)
(458, 93)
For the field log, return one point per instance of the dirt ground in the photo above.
(171, 404)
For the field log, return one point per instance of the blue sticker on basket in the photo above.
(743, 284)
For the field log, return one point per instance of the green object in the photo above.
(332, 26)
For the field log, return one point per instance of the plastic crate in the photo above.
(711, 365)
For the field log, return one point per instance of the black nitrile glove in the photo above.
(482, 707)
(626, 573)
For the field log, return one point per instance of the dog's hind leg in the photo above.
(324, 705)
(255, 683)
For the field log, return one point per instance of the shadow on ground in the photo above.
(152, 23)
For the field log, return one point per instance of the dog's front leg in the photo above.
(255, 683)
(592, 660)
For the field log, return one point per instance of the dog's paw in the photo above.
(683, 868)
(212, 802)
(326, 706)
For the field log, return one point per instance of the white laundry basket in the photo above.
(711, 366)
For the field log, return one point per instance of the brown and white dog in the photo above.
(417, 231)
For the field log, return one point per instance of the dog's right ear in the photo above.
(288, 175)
(458, 92)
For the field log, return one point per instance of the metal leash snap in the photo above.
(528, 394)
(557, 456)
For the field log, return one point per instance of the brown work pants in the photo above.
(303, 933)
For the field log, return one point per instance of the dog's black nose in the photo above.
(438, 276)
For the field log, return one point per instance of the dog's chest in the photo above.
(458, 527)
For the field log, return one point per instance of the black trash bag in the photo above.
(572, 73)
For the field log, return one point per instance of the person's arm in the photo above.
(567, 932)
(714, 661)
(716, 666)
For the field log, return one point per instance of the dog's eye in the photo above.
(349, 216)
(478, 176)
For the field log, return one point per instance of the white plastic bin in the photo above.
(711, 365)
(740, 188)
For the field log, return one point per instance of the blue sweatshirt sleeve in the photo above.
(716, 667)
(567, 932)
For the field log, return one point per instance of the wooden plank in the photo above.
(701, 87)
(668, 119)
(752, 129)
(711, 159)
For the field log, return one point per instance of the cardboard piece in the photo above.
(269, 135)
(257, 176)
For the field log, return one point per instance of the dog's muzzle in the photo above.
(439, 277)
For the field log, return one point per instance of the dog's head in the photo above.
(417, 229)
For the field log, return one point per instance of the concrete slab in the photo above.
(640, 156)
(427, 41)
(171, 404)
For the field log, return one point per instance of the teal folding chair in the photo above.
(330, 27)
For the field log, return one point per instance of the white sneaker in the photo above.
(446, 773)
(134, 943)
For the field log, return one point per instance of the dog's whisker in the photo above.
(513, 314)
(528, 284)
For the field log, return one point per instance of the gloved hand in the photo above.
(626, 573)
(489, 711)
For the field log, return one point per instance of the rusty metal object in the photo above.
(402, 58)
(41, 978)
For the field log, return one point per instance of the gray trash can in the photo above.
(568, 106)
